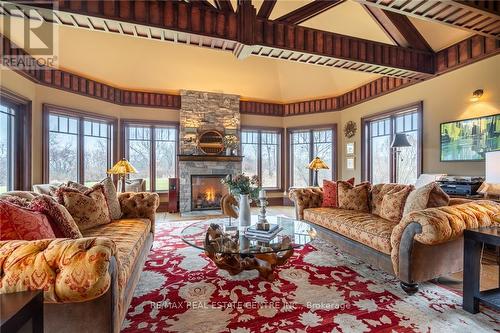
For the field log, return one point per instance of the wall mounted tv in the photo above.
(470, 139)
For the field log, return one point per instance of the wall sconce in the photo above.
(476, 95)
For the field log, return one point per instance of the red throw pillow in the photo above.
(330, 195)
(18, 223)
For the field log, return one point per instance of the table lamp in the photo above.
(491, 184)
(122, 168)
(315, 165)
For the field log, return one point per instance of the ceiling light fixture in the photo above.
(476, 95)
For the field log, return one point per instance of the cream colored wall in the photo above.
(445, 98)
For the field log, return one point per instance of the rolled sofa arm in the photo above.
(303, 198)
(443, 224)
(68, 270)
(140, 204)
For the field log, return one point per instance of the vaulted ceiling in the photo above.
(276, 69)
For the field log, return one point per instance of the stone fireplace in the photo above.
(205, 112)
(207, 192)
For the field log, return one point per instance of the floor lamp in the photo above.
(400, 141)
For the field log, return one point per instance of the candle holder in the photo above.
(262, 223)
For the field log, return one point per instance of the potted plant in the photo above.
(231, 143)
(247, 188)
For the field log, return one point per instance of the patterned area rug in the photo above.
(320, 289)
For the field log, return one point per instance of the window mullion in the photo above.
(80, 150)
(259, 156)
(152, 176)
(311, 155)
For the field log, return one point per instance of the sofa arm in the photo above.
(140, 204)
(443, 224)
(68, 270)
(303, 198)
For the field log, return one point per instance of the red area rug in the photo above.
(319, 290)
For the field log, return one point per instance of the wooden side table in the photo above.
(473, 243)
(17, 309)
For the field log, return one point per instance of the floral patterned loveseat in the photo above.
(88, 282)
(423, 245)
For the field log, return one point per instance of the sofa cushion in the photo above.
(427, 196)
(48, 189)
(62, 222)
(330, 194)
(354, 197)
(88, 209)
(393, 203)
(365, 228)
(20, 223)
(110, 193)
(377, 195)
(129, 236)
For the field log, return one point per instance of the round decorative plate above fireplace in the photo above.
(210, 142)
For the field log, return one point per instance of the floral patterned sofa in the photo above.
(423, 245)
(88, 282)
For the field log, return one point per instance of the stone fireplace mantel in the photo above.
(212, 158)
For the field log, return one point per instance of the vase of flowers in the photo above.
(230, 143)
(247, 188)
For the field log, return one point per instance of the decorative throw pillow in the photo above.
(21, 223)
(48, 189)
(330, 195)
(378, 192)
(63, 223)
(115, 210)
(88, 209)
(354, 197)
(393, 203)
(430, 195)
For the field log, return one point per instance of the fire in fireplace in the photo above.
(206, 192)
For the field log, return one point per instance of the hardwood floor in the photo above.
(489, 271)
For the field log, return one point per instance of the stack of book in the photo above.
(263, 235)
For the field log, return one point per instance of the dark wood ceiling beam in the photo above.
(308, 11)
(480, 17)
(266, 8)
(242, 33)
(224, 5)
(398, 28)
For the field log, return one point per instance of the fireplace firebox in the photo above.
(207, 192)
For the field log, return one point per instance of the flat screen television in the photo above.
(470, 139)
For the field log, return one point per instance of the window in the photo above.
(15, 145)
(382, 164)
(305, 144)
(80, 146)
(261, 149)
(152, 150)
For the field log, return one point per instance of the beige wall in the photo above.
(445, 98)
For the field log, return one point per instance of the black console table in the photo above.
(473, 243)
(20, 310)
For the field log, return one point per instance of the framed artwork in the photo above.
(349, 148)
(469, 139)
(350, 163)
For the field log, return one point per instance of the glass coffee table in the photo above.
(235, 252)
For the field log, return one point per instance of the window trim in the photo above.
(281, 159)
(22, 136)
(289, 166)
(365, 134)
(49, 109)
(124, 123)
